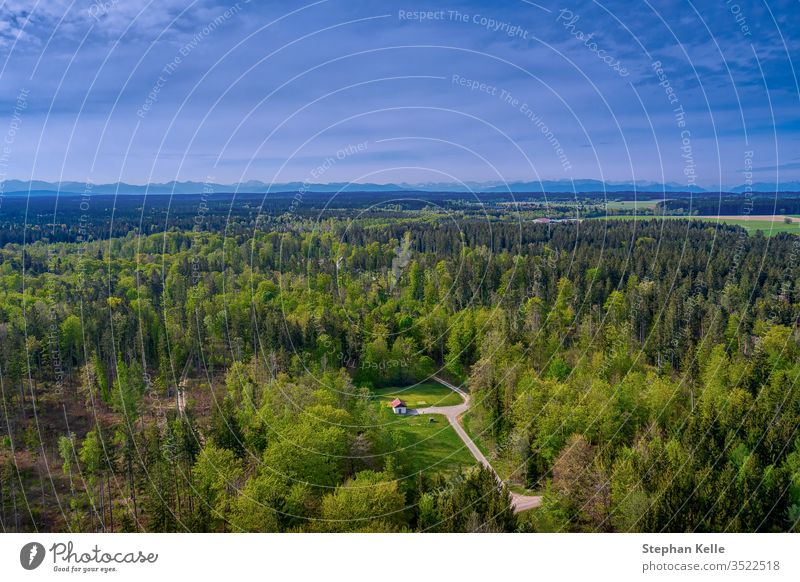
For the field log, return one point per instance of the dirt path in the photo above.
(180, 394)
(453, 413)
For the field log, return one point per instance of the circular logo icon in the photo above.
(31, 555)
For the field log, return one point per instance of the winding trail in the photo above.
(453, 413)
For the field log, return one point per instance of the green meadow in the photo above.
(428, 444)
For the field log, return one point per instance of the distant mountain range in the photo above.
(41, 188)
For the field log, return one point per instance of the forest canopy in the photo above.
(639, 376)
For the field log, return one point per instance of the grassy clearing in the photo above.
(420, 395)
(427, 446)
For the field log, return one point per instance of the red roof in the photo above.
(397, 402)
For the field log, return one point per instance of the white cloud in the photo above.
(34, 22)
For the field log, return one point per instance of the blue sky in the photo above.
(351, 90)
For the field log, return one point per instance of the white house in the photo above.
(398, 406)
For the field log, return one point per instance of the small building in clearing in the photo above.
(398, 406)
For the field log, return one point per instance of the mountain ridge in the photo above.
(41, 187)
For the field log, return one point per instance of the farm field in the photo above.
(419, 395)
(631, 204)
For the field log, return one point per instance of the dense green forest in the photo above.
(641, 376)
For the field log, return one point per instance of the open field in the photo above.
(769, 225)
(429, 444)
(631, 204)
(419, 395)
